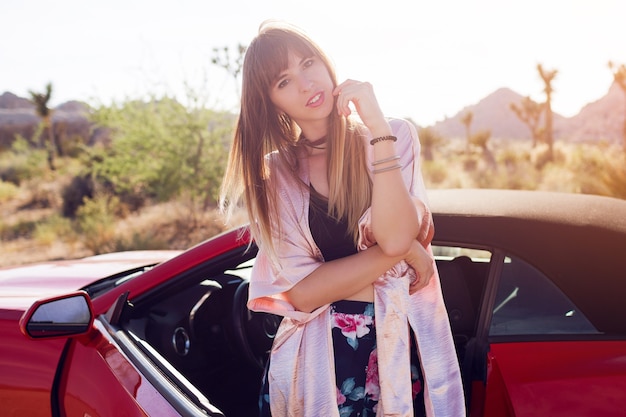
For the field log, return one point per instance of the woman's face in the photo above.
(304, 90)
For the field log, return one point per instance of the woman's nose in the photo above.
(305, 83)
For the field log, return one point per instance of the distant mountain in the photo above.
(491, 113)
(11, 101)
(601, 120)
(18, 117)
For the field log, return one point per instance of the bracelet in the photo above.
(379, 170)
(382, 138)
(382, 161)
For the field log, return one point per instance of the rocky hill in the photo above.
(18, 117)
(601, 120)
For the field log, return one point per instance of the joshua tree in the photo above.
(481, 140)
(467, 121)
(40, 100)
(548, 77)
(233, 65)
(529, 112)
(429, 139)
(619, 74)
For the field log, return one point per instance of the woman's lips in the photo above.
(317, 100)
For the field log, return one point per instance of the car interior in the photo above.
(201, 326)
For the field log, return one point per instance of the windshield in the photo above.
(105, 284)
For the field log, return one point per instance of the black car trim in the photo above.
(167, 380)
(55, 400)
(474, 366)
(103, 285)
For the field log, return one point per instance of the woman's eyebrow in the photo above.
(283, 73)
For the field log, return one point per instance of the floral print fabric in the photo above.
(356, 363)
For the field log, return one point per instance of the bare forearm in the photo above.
(395, 222)
(340, 279)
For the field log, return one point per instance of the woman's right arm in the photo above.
(341, 278)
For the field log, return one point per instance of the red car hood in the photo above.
(22, 285)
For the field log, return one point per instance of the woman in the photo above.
(336, 207)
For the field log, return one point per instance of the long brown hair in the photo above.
(261, 129)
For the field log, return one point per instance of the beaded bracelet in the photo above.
(382, 138)
(382, 161)
(379, 170)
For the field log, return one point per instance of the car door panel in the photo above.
(27, 371)
(549, 378)
(98, 380)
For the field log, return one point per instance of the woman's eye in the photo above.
(309, 62)
(282, 83)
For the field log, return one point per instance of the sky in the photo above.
(427, 59)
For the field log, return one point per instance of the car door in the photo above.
(106, 374)
(544, 357)
(98, 380)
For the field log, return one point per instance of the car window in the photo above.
(528, 302)
(463, 273)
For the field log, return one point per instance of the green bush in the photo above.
(160, 149)
(22, 162)
(96, 220)
(8, 190)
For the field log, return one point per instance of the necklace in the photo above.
(316, 144)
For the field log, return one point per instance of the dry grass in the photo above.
(31, 233)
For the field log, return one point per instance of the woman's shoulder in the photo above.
(402, 127)
(283, 174)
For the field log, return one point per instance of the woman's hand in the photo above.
(361, 94)
(423, 263)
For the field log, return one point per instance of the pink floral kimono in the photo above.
(301, 373)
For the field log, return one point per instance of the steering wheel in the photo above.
(254, 331)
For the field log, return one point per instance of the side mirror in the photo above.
(63, 316)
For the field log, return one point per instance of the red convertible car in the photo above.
(534, 284)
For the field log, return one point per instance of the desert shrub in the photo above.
(435, 172)
(515, 170)
(598, 170)
(53, 229)
(8, 190)
(429, 140)
(614, 176)
(22, 162)
(512, 156)
(80, 188)
(96, 222)
(22, 229)
(556, 177)
(146, 240)
(540, 156)
(42, 194)
(470, 163)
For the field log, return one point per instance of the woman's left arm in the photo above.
(395, 218)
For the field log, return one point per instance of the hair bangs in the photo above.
(271, 53)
